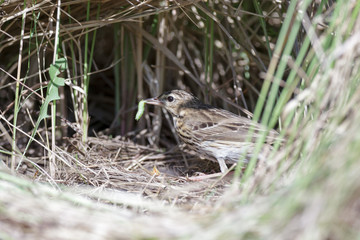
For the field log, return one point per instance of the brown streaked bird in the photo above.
(213, 133)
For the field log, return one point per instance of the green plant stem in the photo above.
(263, 26)
(85, 118)
(87, 69)
(117, 68)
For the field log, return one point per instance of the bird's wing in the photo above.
(218, 124)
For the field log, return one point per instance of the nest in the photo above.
(125, 166)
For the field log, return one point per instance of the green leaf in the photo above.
(52, 93)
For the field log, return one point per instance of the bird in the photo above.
(213, 133)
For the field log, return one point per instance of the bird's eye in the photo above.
(170, 98)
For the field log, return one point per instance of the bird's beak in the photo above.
(154, 101)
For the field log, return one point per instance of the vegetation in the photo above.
(75, 164)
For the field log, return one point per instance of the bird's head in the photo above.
(174, 100)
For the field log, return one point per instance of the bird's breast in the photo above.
(183, 131)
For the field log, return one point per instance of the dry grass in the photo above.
(136, 186)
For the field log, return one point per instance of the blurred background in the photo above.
(73, 72)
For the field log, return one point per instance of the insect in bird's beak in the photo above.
(154, 101)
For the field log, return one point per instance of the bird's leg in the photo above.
(222, 164)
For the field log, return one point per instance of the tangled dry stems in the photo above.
(108, 188)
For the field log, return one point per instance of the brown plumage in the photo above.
(214, 133)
